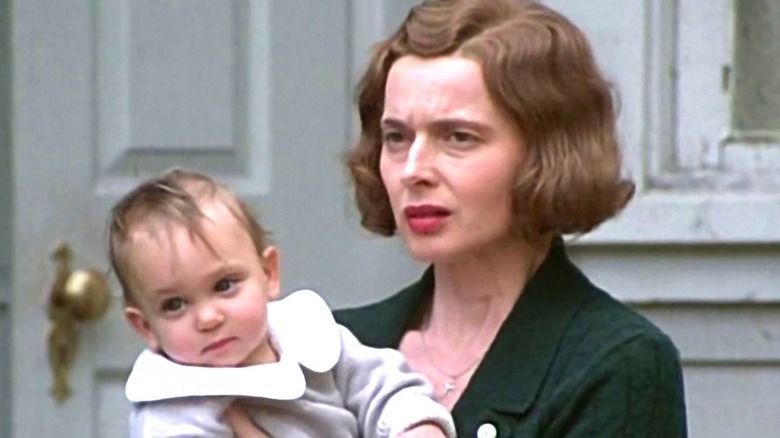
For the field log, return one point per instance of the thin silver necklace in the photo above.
(450, 384)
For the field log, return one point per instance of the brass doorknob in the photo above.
(86, 294)
(76, 296)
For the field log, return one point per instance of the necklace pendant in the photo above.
(449, 386)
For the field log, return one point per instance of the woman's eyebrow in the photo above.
(458, 123)
(390, 122)
(446, 123)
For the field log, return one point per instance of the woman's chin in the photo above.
(429, 253)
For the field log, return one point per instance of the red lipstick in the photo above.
(426, 219)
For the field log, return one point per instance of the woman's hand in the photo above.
(424, 430)
(241, 424)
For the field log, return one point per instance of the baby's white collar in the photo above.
(303, 330)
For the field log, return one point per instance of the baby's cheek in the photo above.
(181, 347)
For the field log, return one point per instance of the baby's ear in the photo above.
(271, 269)
(135, 317)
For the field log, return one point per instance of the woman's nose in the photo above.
(419, 165)
(209, 316)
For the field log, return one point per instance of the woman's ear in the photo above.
(137, 321)
(271, 268)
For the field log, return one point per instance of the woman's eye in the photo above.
(461, 137)
(393, 139)
(224, 285)
(172, 305)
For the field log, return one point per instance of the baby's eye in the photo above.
(224, 285)
(172, 305)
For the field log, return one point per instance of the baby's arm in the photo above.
(180, 417)
(386, 397)
(425, 430)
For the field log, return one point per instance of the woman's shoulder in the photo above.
(362, 320)
(615, 371)
(610, 351)
(382, 323)
(591, 320)
(607, 326)
(602, 311)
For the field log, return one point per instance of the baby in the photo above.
(200, 285)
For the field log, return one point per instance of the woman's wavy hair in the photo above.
(540, 71)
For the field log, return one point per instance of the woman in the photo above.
(487, 133)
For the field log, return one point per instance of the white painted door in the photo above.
(105, 93)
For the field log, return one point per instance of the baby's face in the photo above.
(199, 305)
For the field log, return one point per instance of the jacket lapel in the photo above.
(510, 377)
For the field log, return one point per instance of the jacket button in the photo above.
(487, 430)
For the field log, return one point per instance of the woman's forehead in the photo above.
(458, 77)
(421, 90)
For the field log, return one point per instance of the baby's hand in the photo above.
(424, 430)
(241, 424)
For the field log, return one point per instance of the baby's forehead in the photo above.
(218, 203)
(163, 240)
(213, 212)
(205, 203)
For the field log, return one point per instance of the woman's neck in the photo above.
(474, 295)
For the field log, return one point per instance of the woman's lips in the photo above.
(426, 219)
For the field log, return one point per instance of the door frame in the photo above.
(6, 214)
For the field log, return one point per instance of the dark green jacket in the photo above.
(569, 361)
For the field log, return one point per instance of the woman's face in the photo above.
(449, 159)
